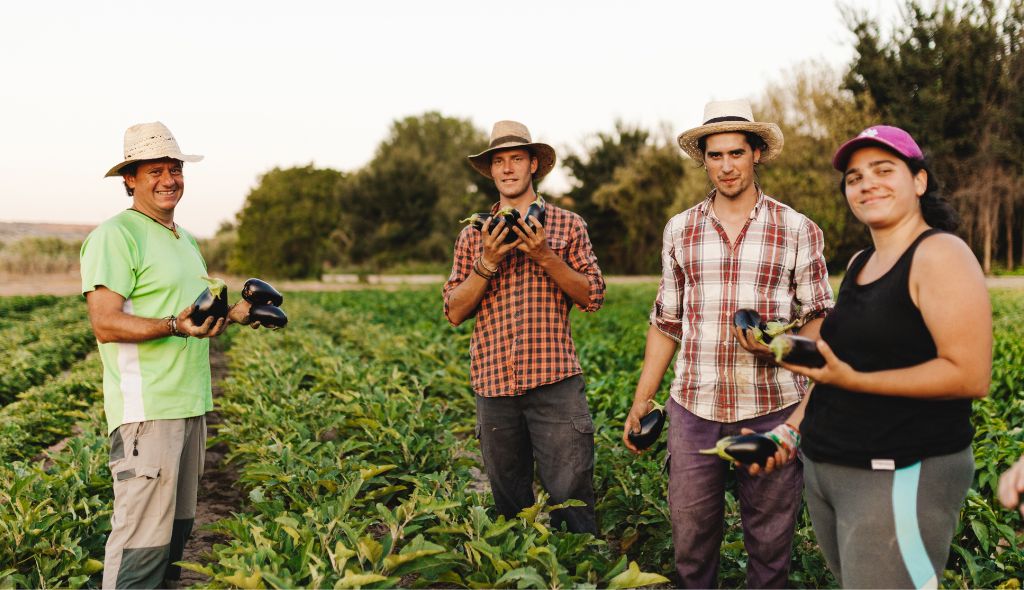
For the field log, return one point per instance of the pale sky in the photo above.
(256, 84)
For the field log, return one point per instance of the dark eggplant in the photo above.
(259, 292)
(212, 302)
(797, 350)
(764, 332)
(650, 428)
(536, 211)
(745, 448)
(269, 316)
(511, 217)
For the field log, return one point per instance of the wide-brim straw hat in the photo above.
(725, 116)
(150, 141)
(510, 135)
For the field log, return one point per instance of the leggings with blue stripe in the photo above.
(888, 529)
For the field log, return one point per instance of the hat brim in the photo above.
(116, 170)
(769, 132)
(544, 153)
(842, 156)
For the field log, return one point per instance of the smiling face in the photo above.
(157, 187)
(880, 188)
(730, 160)
(512, 171)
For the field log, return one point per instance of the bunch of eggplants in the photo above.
(212, 302)
(511, 217)
(650, 427)
(744, 448)
(749, 320)
(797, 350)
(265, 302)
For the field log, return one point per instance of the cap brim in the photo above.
(842, 155)
(544, 153)
(769, 132)
(116, 170)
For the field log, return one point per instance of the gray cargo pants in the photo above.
(156, 466)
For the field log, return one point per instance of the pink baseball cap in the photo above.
(886, 136)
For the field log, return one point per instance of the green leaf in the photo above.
(634, 578)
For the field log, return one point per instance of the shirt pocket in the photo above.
(561, 249)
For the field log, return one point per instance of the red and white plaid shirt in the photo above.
(776, 267)
(522, 337)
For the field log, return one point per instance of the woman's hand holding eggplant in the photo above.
(210, 328)
(495, 248)
(835, 372)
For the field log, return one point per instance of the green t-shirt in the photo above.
(159, 275)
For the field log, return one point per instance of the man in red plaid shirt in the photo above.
(530, 394)
(738, 248)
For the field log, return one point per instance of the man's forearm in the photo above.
(464, 299)
(572, 283)
(657, 357)
(127, 328)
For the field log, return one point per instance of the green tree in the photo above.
(407, 202)
(594, 167)
(285, 222)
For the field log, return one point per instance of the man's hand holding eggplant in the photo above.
(533, 240)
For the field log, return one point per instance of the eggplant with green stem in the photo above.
(749, 320)
(650, 427)
(212, 302)
(744, 448)
(797, 350)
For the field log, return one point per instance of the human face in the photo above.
(730, 161)
(880, 188)
(512, 171)
(158, 186)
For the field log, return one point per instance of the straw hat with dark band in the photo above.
(727, 116)
(150, 141)
(510, 135)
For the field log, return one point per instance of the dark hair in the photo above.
(755, 141)
(937, 211)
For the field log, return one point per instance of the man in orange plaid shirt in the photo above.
(530, 395)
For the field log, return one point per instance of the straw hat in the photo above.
(150, 141)
(726, 116)
(510, 134)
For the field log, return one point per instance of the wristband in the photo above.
(786, 436)
(476, 268)
(172, 324)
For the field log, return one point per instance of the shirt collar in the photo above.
(706, 209)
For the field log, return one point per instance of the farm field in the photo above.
(351, 433)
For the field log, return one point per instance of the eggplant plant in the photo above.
(650, 427)
(745, 448)
(797, 350)
(259, 292)
(212, 302)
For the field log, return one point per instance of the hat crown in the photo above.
(728, 110)
(148, 138)
(509, 132)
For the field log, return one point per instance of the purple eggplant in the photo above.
(797, 350)
(536, 211)
(212, 302)
(269, 316)
(745, 448)
(764, 332)
(650, 428)
(259, 292)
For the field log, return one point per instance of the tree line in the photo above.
(951, 73)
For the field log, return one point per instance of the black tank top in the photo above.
(874, 327)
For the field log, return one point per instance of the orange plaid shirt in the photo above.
(522, 337)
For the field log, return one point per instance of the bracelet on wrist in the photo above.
(173, 324)
(480, 260)
(483, 273)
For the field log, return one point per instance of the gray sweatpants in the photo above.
(888, 529)
(156, 466)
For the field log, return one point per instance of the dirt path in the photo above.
(219, 494)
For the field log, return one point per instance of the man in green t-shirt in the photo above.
(141, 273)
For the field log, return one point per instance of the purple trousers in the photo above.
(769, 505)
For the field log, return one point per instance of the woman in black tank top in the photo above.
(907, 347)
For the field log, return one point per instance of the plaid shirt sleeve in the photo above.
(813, 291)
(668, 304)
(582, 259)
(461, 267)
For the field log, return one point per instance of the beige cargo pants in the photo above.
(156, 466)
